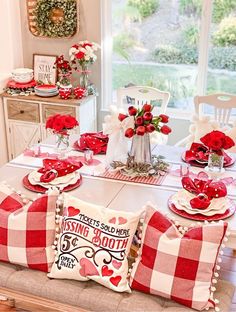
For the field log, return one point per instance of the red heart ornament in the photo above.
(106, 271)
(115, 280)
(87, 268)
(72, 211)
(122, 220)
(116, 264)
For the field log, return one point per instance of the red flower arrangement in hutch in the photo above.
(145, 123)
(61, 126)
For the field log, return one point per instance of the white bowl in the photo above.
(22, 75)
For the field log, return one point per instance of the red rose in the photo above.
(164, 118)
(70, 122)
(79, 55)
(139, 121)
(165, 129)
(228, 142)
(214, 140)
(147, 116)
(121, 117)
(147, 107)
(129, 133)
(140, 130)
(132, 111)
(58, 124)
(215, 144)
(49, 123)
(150, 128)
(87, 44)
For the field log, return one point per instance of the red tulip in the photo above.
(147, 107)
(129, 133)
(132, 110)
(165, 130)
(139, 121)
(140, 130)
(121, 117)
(147, 116)
(150, 128)
(164, 118)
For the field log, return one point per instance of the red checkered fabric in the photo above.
(175, 265)
(9, 199)
(27, 232)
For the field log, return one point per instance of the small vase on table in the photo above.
(62, 145)
(215, 162)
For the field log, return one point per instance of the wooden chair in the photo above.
(140, 95)
(223, 103)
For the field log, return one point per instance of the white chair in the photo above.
(222, 103)
(141, 95)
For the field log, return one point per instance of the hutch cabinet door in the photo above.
(22, 135)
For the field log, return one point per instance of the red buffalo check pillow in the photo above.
(9, 199)
(178, 264)
(27, 231)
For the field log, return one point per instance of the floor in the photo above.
(228, 271)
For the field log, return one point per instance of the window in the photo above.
(167, 45)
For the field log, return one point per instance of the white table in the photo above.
(119, 195)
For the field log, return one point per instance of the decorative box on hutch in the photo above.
(25, 118)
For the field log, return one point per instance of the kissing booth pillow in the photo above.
(178, 263)
(27, 231)
(94, 244)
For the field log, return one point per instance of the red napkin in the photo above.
(205, 190)
(53, 168)
(97, 142)
(199, 152)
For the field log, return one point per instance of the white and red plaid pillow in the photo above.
(9, 199)
(178, 264)
(27, 232)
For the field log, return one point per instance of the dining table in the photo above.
(122, 195)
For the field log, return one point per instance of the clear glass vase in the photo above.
(62, 145)
(215, 162)
(141, 148)
(84, 76)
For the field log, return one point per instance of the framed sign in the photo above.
(44, 69)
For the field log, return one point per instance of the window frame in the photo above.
(106, 61)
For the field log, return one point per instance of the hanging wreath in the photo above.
(55, 18)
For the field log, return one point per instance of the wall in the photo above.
(10, 55)
(89, 11)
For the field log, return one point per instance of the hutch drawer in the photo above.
(23, 111)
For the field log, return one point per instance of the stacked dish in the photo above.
(22, 75)
(46, 90)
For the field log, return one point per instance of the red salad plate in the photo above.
(199, 217)
(41, 189)
(18, 85)
(204, 164)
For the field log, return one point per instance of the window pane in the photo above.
(222, 52)
(155, 44)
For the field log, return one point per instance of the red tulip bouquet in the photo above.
(145, 123)
(61, 125)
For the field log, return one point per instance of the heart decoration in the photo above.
(106, 271)
(115, 280)
(122, 220)
(72, 211)
(87, 268)
(112, 220)
(116, 264)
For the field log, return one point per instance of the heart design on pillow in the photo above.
(87, 268)
(122, 220)
(116, 264)
(106, 271)
(115, 280)
(72, 211)
(112, 220)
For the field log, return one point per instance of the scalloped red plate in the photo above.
(199, 217)
(41, 189)
(202, 165)
(77, 148)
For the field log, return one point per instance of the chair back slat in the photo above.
(143, 95)
(222, 103)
